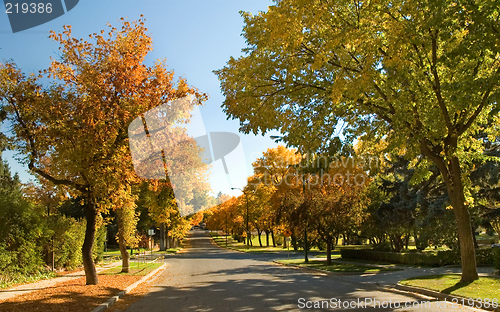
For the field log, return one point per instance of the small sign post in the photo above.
(151, 233)
(287, 240)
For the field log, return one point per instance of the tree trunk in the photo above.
(294, 241)
(272, 237)
(267, 238)
(452, 177)
(88, 243)
(397, 242)
(476, 245)
(465, 239)
(162, 237)
(124, 253)
(258, 233)
(329, 250)
(168, 238)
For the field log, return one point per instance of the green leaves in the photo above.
(411, 65)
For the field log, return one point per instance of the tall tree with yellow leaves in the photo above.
(423, 75)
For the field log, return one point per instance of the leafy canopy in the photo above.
(402, 69)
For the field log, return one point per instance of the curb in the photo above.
(451, 298)
(112, 300)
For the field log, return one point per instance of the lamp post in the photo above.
(247, 230)
(226, 228)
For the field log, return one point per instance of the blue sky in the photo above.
(195, 38)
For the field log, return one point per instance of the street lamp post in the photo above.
(306, 258)
(247, 229)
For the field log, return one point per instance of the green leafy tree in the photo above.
(23, 230)
(424, 75)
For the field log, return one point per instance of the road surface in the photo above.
(208, 278)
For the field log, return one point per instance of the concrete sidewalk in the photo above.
(27, 288)
(482, 270)
(392, 278)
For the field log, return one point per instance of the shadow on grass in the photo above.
(457, 286)
(342, 267)
(448, 290)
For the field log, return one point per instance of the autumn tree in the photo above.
(225, 216)
(423, 75)
(261, 212)
(335, 201)
(274, 175)
(196, 218)
(124, 202)
(73, 131)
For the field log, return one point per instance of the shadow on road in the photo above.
(209, 278)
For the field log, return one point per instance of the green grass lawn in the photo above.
(168, 251)
(116, 251)
(8, 280)
(136, 268)
(484, 287)
(486, 236)
(337, 267)
(115, 255)
(364, 261)
(233, 244)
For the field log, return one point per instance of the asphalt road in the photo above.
(208, 278)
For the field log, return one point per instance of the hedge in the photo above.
(496, 257)
(438, 258)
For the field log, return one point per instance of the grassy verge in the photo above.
(367, 261)
(337, 267)
(7, 280)
(483, 288)
(241, 246)
(235, 245)
(115, 252)
(134, 269)
(115, 255)
(168, 251)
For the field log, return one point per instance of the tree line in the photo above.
(289, 194)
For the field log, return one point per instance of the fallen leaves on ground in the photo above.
(134, 295)
(71, 295)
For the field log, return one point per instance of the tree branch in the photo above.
(436, 86)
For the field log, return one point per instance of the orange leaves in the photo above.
(81, 122)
